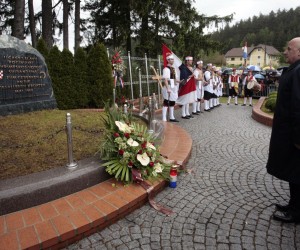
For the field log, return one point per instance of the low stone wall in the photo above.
(259, 115)
(38, 188)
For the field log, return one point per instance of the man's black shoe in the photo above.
(190, 116)
(185, 117)
(282, 208)
(207, 110)
(198, 112)
(195, 113)
(286, 217)
(243, 104)
(173, 120)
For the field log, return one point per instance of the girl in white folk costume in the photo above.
(207, 87)
(219, 87)
(198, 73)
(170, 90)
(215, 84)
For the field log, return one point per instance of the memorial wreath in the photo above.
(130, 152)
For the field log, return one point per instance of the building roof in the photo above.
(270, 49)
(238, 52)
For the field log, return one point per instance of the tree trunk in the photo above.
(47, 22)
(128, 19)
(32, 23)
(77, 25)
(144, 33)
(66, 24)
(18, 25)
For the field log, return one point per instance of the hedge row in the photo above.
(80, 81)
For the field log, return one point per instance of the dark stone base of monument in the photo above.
(13, 109)
(38, 188)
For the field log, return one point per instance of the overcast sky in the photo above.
(243, 9)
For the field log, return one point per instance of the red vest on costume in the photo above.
(248, 79)
(234, 78)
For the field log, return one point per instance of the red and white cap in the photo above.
(169, 56)
(189, 58)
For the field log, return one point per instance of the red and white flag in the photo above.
(187, 93)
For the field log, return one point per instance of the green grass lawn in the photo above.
(37, 141)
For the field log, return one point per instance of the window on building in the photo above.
(258, 57)
(232, 58)
(258, 64)
(258, 49)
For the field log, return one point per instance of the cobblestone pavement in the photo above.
(225, 203)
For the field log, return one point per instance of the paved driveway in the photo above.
(225, 203)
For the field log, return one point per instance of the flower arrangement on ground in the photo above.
(130, 151)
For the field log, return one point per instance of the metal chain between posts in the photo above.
(50, 137)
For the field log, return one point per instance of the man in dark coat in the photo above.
(284, 152)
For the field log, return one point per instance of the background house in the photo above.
(261, 55)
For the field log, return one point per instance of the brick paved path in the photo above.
(226, 203)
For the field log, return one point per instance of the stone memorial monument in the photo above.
(25, 84)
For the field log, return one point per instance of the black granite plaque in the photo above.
(25, 84)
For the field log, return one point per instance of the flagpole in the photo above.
(158, 89)
(147, 81)
(130, 74)
(141, 92)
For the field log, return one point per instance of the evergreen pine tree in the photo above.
(68, 87)
(54, 67)
(80, 78)
(99, 76)
(42, 48)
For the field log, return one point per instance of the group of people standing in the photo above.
(233, 82)
(284, 152)
(205, 86)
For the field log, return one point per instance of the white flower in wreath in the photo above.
(150, 145)
(143, 159)
(158, 168)
(123, 127)
(132, 142)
